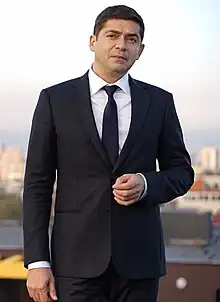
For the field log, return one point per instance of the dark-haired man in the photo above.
(102, 134)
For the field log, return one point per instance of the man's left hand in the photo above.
(128, 188)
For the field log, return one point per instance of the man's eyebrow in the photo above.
(113, 31)
(133, 35)
(119, 32)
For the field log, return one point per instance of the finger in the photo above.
(128, 192)
(52, 290)
(122, 199)
(126, 203)
(126, 197)
(130, 189)
(30, 293)
(43, 296)
(130, 184)
(122, 179)
(33, 294)
(36, 296)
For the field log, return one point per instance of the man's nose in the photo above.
(121, 44)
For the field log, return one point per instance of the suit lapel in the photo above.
(82, 90)
(140, 101)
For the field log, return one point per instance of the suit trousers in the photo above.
(108, 287)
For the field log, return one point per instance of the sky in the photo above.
(45, 42)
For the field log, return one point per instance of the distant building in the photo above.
(198, 170)
(11, 164)
(203, 196)
(209, 159)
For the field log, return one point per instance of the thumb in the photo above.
(122, 179)
(52, 290)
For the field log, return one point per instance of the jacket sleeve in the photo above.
(39, 180)
(176, 175)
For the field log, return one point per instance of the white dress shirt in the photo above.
(99, 100)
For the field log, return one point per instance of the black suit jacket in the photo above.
(90, 227)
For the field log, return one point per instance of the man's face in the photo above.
(117, 46)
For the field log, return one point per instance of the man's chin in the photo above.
(119, 68)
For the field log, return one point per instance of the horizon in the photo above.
(195, 140)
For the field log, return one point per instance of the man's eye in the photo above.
(111, 36)
(132, 40)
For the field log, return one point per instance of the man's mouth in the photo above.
(120, 58)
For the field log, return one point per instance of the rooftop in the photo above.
(11, 237)
(200, 186)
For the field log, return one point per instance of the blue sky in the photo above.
(45, 42)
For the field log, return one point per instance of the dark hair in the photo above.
(118, 12)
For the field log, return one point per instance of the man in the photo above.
(102, 133)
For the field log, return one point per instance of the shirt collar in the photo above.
(96, 83)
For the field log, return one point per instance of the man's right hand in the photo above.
(41, 285)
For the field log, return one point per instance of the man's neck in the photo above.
(107, 77)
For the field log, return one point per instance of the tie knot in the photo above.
(110, 90)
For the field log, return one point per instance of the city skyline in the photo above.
(195, 140)
(42, 48)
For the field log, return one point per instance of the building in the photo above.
(11, 164)
(192, 270)
(209, 159)
(203, 196)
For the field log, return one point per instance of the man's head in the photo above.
(117, 40)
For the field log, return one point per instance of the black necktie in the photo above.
(110, 125)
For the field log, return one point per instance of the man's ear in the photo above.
(141, 50)
(92, 42)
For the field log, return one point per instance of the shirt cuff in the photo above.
(38, 264)
(145, 186)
